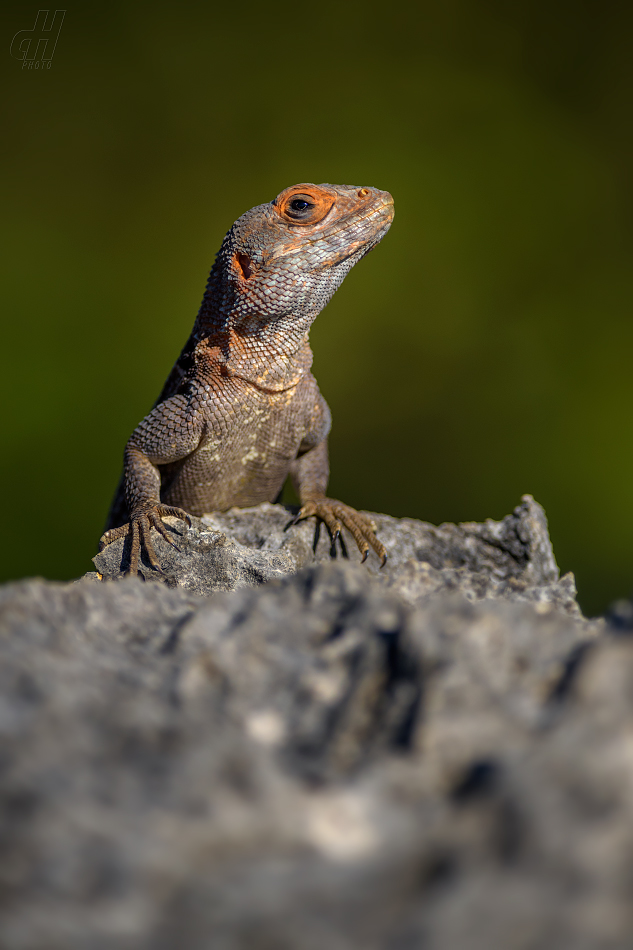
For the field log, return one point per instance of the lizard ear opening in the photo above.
(243, 264)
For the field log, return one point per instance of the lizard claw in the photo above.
(139, 526)
(293, 521)
(336, 515)
(113, 535)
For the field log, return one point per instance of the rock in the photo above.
(436, 755)
(245, 547)
(204, 559)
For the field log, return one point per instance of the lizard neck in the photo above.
(269, 358)
(273, 353)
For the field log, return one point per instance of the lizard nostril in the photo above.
(363, 192)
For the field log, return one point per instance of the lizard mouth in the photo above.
(383, 210)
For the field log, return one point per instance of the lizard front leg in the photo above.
(310, 473)
(170, 432)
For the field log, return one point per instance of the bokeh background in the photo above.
(482, 351)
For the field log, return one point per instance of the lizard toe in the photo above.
(139, 529)
(113, 535)
(336, 515)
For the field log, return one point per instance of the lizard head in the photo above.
(289, 256)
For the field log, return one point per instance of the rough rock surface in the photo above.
(433, 756)
(244, 547)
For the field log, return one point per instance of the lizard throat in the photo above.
(264, 365)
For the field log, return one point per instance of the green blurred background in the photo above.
(482, 351)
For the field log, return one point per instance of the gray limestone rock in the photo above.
(436, 755)
(202, 560)
(511, 558)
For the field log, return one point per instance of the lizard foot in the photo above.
(139, 527)
(336, 515)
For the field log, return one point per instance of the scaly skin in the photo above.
(241, 410)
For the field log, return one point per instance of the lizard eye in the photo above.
(300, 206)
(303, 208)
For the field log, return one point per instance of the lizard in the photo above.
(240, 410)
